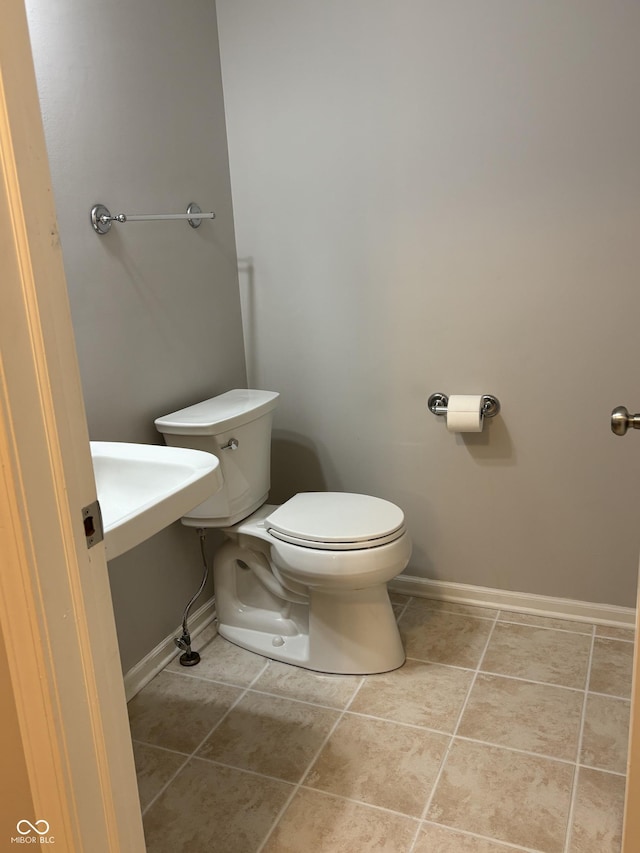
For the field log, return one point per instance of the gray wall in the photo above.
(132, 105)
(445, 197)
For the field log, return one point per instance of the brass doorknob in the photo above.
(621, 420)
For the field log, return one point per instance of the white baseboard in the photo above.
(520, 602)
(150, 665)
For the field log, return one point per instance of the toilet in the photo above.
(305, 582)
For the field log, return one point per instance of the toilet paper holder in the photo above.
(437, 403)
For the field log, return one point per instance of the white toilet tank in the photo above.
(236, 427)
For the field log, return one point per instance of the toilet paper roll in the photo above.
(464, 413)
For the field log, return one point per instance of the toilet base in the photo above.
(354, 633)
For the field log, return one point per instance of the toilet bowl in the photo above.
(304, 582)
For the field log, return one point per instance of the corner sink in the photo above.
(143, 488)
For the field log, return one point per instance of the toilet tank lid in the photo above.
(219, 414)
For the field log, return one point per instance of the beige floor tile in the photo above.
(421, 694)
(178, 711)
(270, 735)
(220, 660)
(318, 823)
(606, 733)
(154, 768)
(546, 622)
(453, 607)
(206, 636)
(611, 667)
(537, 654)
(613, 633)
(373, 757)
(440, 839)
(380, 763)
(213, 809)
(483, 789)
(442, 637)
(538, 718)
(398, 597)
(296, 683)
(598, 813)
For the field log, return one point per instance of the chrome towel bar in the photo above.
(101, 217)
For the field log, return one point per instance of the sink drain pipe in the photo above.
(189, 657)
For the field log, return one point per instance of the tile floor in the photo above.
(502, 732)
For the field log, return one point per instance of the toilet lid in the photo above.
(336, 521)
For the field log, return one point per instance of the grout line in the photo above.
(452, 607)
(308, 768)
(242, 770)
(616, 639)
(587, 626)
(531, 681)
(420, 602)
(574, 787)
(445, 756)
(515, 749)
(439, 663)
(609, 696)
(428, 603)
(357, 802)
(585, 633)
(155, 746)
(394, 722)
(463, 614)
(213, 680)
(187, 759)
(402, 612)
(208, 735)
(511, 677)
(504, 674)
(602, 770)
(508, 845)
(504, 619)
(300, 701)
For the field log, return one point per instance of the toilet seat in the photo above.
(336, 521)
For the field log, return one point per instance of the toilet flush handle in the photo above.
(232, 444)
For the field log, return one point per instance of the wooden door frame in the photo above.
(56, 617)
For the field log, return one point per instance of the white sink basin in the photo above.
(143, 488)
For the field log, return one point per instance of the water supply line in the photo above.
(189, 657)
